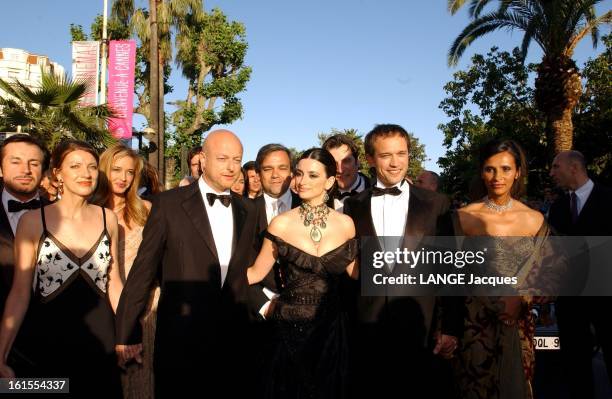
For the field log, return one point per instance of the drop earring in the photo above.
(60, 187)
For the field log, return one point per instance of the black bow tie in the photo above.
(377, 191)
(345, 194)
(17, 206)
(223, 199)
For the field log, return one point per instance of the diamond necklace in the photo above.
(497, 208)
(315, 216)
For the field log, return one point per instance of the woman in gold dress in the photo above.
(121, 169)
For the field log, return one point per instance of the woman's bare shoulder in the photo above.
(345, 224)
(30, 225)
(147, 204)
(281, 223)
(531, 218)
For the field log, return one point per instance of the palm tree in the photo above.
(557, 26)
(52, 112)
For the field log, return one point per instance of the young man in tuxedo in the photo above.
(583, 210)
(350, 181)
(397, 337)
(198, 240)
(23, 160)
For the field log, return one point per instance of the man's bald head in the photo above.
(427, 180)
(568, 170)
(220, 136)
(221, 159)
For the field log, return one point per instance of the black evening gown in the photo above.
(309, 351)
(74, 321)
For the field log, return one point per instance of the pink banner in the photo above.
(121, 62)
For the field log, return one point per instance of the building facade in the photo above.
(25, 67)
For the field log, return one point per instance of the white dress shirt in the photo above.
(276, 206)
(358, 185)
(221, 219)
(389, 213)
(13, 217)
(583, 193)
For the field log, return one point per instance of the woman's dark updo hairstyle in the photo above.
(497, 146)
(328, 161)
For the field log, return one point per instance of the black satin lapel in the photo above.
(260, 203)
(415, 220)
(5, 225)
(369, 220)
(239, 214)
(193, 205)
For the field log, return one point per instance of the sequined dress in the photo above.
(309, 355)
(73, 318)
(496, 360)
(138, 379)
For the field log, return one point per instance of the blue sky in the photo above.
(316, 64)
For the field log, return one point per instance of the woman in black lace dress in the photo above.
(309, 358)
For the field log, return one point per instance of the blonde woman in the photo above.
(121, 169)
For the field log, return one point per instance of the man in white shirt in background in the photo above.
(274, 164)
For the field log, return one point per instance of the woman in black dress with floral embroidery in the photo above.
(68, 249)
(309, 358)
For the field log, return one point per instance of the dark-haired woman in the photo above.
(68, 249)
(496, 354)
(317, 244)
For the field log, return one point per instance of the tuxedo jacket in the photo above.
(428, 215)
(7, 257)
(200, 323)
(20, 358)
(272, 281)
(595, 219)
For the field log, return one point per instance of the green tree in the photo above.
(493, 98)
(51, 111)
(210, 53)
(417, 151)
(593, 117)
(557, 27)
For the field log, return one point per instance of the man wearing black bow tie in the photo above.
(23, 161)
(198, 240)
(350, 180)
(397, 337)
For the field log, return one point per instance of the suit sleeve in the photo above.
(257, 297)
(137, 289)
(452, 308)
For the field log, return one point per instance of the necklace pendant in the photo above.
(315, 234)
